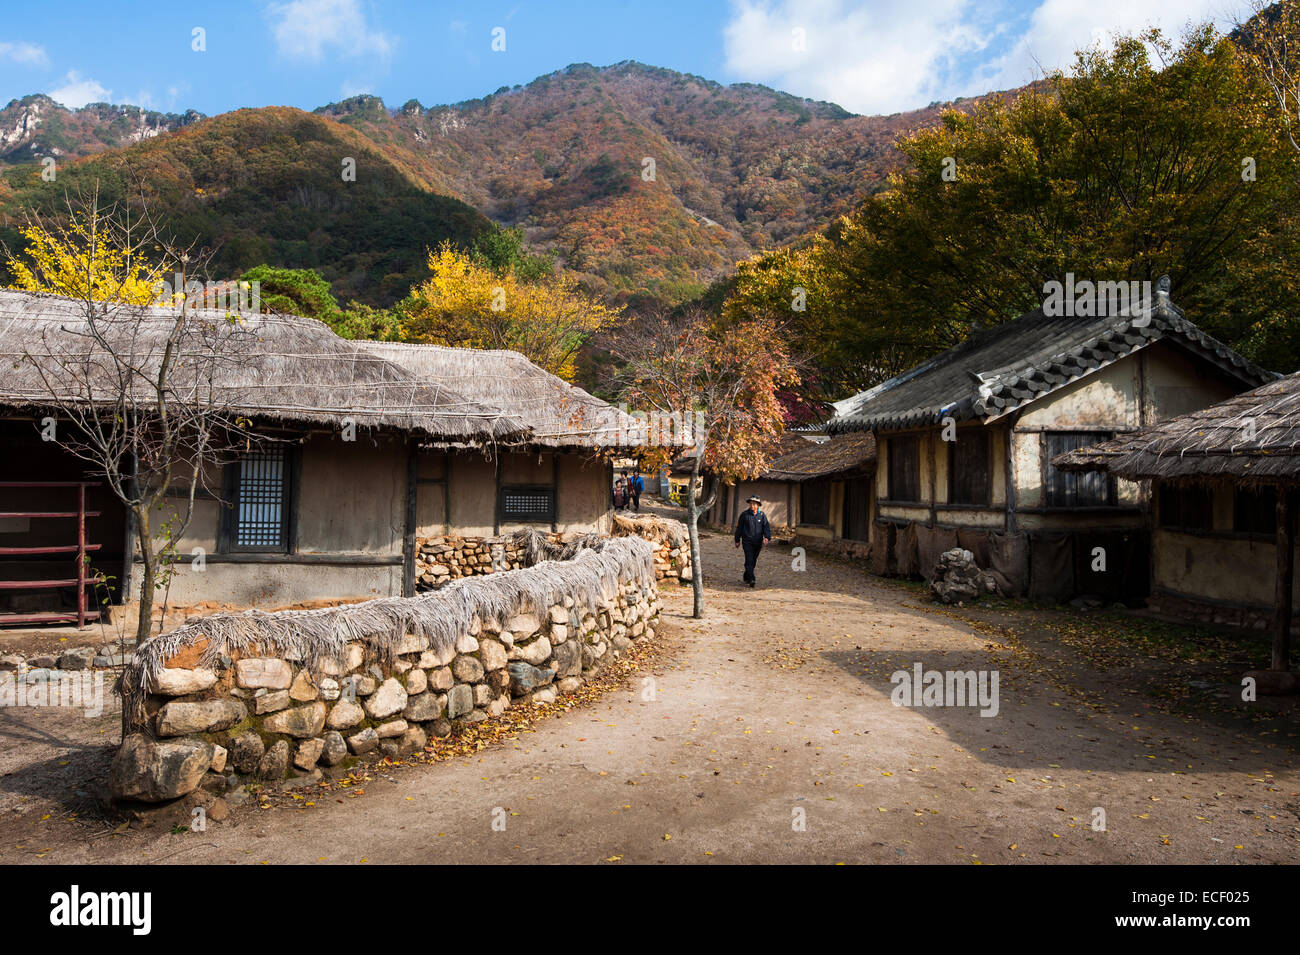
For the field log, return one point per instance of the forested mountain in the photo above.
(736, 170)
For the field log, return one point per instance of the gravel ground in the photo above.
(765, 733)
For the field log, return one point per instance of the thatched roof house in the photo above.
(809, 458)
(376, 447)
(1224, 482)
(558, 414)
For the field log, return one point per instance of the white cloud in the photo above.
(1059, 27)
(78, 90)
(883, 56)
(871, 58)
(27, 53)
(308, 29)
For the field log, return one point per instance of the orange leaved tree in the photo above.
(724, 383)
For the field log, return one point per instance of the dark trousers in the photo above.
(636, 499)
(751, 549)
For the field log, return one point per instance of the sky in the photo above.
(872, 56)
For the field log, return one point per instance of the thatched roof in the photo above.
(291, 369)
(560, 415)
(1001, 368)
(805, 460)
(1253, 437)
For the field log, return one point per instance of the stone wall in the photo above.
(440, 560)
(235, 699)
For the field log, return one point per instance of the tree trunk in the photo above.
(144, 622)
(693, 510)
(693, 531)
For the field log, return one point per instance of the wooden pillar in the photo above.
(412, 500)
(446, 494)
(934, 502)
(1285, 581)
(1009, 520)
(496, 507)
(81, 556)
(555, 490)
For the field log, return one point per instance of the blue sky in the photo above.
(875, 56)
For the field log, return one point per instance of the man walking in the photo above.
(753, 531)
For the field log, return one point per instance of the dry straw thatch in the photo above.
(804, 460)
(662, 530)
(559, 414)
(294, 370)
(1253, 438)
(592, 578)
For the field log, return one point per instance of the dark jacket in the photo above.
(753, 528)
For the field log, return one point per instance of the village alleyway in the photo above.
(770, 737)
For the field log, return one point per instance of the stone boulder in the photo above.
(263, 672)
(155, 771)
(390, 698)
(958, 579)
(182, 719)
(301, 722)
(524, 678)
(178, 682)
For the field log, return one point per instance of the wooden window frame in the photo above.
(1048, 472)
(823, 484)
(508, 518)
(963, 436)
(896, 442)
(228, 529)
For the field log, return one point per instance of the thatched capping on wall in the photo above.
(663, 530)
(313, 637)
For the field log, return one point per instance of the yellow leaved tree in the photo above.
(82, 261)
(468, 304)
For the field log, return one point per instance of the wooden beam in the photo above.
(1284, 583)
(412, 509)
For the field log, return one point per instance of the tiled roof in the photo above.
(999, 369)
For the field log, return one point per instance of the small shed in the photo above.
(1224, 484)
(817, 490)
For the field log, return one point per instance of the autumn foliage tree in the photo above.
(138, 395)
(468, 303)
(1146, 158)
(724, 382)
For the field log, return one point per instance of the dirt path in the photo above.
(776, 707)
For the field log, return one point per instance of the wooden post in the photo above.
(929, 451)
(412, 501)
(1285, 581)
(1009, 521)
(496, 512)
(446, 494)
(81, 556)
(555, 491)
